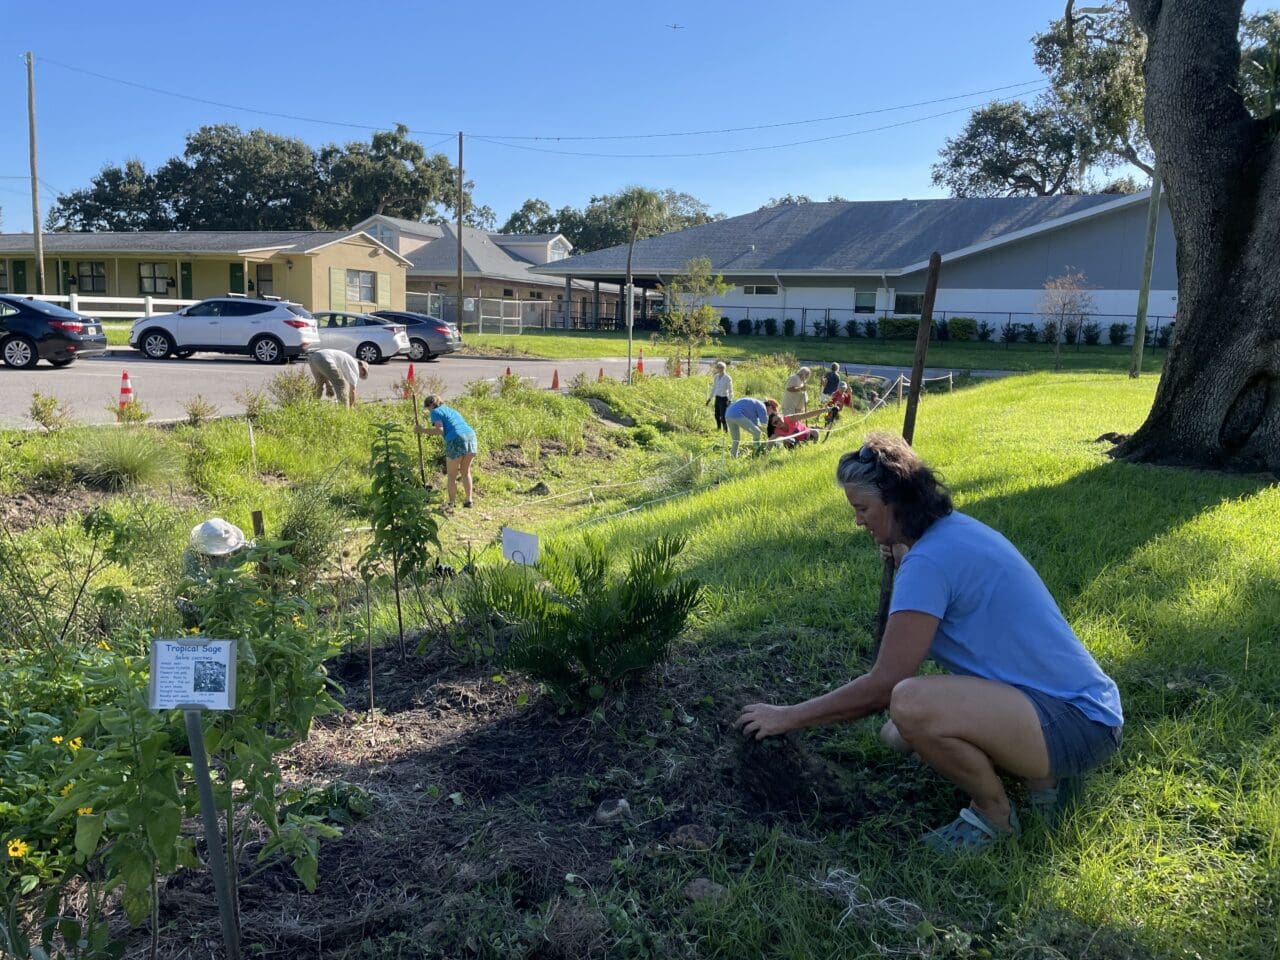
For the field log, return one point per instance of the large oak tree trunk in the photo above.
(1218, 402)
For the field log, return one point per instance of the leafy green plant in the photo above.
(1091, 332)
(1119, 334)
(48, 412)
(645, 436)
(255, 403)
(1010, 332)
(962, 328)
(852, 327)
(115, 459)
(291, 388)
(744, 327)
(872, 329)
(582, 629)
(199, 410)
(984, 332)
(132, 411)
(899, 328)
(771, 326)
(788, 326)
(404, 529)
(311, 531)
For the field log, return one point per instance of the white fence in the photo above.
(134, 306)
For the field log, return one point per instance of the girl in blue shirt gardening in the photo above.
(1021, 693)
(459, 445)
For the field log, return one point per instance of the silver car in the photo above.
(371, 339)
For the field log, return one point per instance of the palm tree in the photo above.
(641, 209)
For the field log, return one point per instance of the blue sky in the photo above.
(561, 68)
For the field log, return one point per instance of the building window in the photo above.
(864, 301)
(264, 274)
(91, 276)
(383, 234)
(360, 286)
(4, 276)
(559, 250)
(153, 278)
(508, 292)
(535, 295)
(761, 290)
(908, 303)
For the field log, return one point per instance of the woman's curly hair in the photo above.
(886, 465)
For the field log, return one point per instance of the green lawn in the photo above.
(961, 356)
(1171, 577)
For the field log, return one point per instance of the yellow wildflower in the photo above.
(18, 848)
(102, 645)
(194, 630)
(260, 602)
(66, 791)
(83, 811)
(74, 744)
(56, 739)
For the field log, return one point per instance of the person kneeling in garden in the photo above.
(1022, 694)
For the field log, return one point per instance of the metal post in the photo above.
(35, 176)
(1144, 292)
(212, 835)
(461, 205)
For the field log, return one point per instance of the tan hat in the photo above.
(216, 538)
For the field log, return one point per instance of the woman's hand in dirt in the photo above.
(762, 720)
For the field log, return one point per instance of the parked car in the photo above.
(32, 330)
(270, 331)
(368, 338)
(429, 337)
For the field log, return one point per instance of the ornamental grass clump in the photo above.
(130, 457)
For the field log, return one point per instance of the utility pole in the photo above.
(35, 176)
(461, 205)
(1144, 292)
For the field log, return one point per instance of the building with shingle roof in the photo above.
(813, 261)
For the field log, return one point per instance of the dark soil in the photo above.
(484, 795)
(25, 511)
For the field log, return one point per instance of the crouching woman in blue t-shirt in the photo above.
(1021, 693)
(459, 445)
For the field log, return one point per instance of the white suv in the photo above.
(270, 331)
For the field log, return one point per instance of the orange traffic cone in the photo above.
(508, 371)
(555, 380)
(126, 392)
(676, 373)
(408, 383)
(600, 379)
(640, 362)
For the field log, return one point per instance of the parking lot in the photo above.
(88, 386)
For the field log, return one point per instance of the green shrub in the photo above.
(48, 412)
(254, 402)
(115, 459)
(311, 531)
(132, 412)
(899, 328)
(726, 325)
(1092, 333)
(771, 326)
(1049, 332)
(872, 329)
(199, 410)
(1164, 336)
(984, 332)
(962, 328)
(788, 327)
(580, 628)
(1119, 334)
(852, 327)
(645, 436)
(941, 329)
(744, 327)
(291, 388)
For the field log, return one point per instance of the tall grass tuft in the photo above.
(117, 459)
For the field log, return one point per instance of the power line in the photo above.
(729, 150)
(43, 183)
(774, 126)
(227, 106)
(497, 137)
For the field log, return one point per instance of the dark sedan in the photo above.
(429, 337)
(33, 330)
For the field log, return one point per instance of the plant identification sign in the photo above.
(195, 674)
(519, 547)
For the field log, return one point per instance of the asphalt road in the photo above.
(90, 384)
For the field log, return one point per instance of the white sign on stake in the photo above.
(196, 673)
(519, 547)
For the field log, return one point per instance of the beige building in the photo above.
(320, 270)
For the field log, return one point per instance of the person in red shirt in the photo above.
(838, 401)
(790, 430)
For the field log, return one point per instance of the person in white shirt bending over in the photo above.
(337, 373)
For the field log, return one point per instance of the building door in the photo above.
(184, 273)
(19, 276)
(235, 283)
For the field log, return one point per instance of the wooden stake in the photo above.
(417, 427)
(909, 426)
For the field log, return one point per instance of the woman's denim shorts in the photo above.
(462, 444)
(1075, 743)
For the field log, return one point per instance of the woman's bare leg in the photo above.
(451, 474)
(966, 728)
(464, 468)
